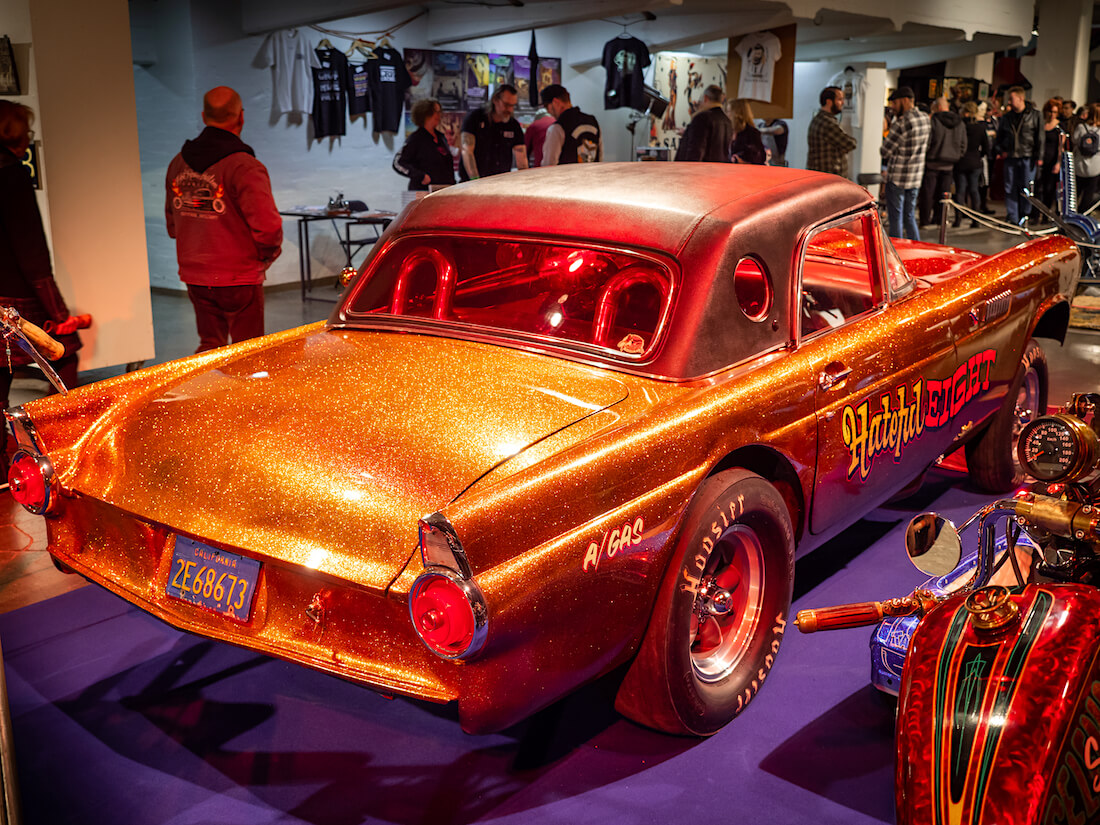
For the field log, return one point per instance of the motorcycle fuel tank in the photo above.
(999, 721)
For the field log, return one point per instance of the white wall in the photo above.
(198, 44)
(809, 80)
(91, 197)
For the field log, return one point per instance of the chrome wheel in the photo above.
(727, 607)
(1027, 403)
(1026, 410)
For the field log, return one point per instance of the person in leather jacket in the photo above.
(709, 134)
(1020, 140)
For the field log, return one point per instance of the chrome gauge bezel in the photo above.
(1083, 451)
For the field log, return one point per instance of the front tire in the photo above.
(991, 460)
(720, 613)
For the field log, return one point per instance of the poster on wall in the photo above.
(521, 73)
(9, 77)
(549, 72)
(682, 77)
(463, 81)
(449, 83)
(501, 65)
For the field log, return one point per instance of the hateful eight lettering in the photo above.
(611, 543)
(903, 415)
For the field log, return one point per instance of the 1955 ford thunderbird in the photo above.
(562, 421)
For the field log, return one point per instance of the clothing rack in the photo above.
(383, 35)
(646, 17)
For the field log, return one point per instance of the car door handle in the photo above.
(833, 375)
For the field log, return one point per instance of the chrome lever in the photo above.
(829, 379)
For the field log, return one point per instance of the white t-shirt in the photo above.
(292, 58)
(854, 86)
(758, 52)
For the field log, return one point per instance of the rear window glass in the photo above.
(608, 299)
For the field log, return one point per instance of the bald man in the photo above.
(228, 231)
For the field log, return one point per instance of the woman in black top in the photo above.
(426, 158)
(747, 147)
(1048, 173)
(968, 168)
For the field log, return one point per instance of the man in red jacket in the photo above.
(220, 210)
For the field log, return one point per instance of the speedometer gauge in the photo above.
(1057, 448)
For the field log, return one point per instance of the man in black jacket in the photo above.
(1019, 141)
(946, 145)
(574, 137)
(709, 134)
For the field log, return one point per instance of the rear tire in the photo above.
(698, 667)
(991, 458)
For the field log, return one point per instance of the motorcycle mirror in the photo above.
(933, 544)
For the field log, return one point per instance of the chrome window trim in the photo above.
(867, 213)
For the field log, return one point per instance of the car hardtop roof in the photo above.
(649, 204)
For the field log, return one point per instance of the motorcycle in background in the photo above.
(999, 702)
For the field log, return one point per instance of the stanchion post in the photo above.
(945, 204)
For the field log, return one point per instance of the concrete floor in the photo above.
(27, 574)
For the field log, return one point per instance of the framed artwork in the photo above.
(9, 77)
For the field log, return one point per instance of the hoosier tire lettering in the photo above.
(721, 612)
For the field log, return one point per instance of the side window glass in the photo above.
(896, 274)
(838, 276)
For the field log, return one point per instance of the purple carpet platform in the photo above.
(121, 719)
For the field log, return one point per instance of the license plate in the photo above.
(216, 579)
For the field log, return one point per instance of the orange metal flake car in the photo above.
(563, 420)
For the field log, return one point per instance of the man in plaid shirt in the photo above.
(903, 155)
(828, 144)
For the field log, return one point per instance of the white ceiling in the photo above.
(900, 33)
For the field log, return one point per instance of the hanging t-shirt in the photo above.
(358, 89)
(758, 52)
(625, 58)
(330, 93)
(854, 86)
(292, 58)
(388, 79)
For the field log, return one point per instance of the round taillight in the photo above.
(448, 614)
(28, 483)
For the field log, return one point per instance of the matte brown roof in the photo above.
(650, 204)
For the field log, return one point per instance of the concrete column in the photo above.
(89, 138)
(1061, 61)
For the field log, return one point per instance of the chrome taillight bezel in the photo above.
(474, 598)
(45, 468)
(22, 428)
(442, 555)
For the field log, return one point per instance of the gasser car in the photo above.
(563, 421)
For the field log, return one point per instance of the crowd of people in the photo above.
(493, 141)
(928, 149)
(963, 147)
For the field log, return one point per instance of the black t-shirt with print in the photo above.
(493, 143)
(330, 94)
(388, 80)
(624, 58)
(358, 89)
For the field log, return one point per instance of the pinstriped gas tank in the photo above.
(1003, 726)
